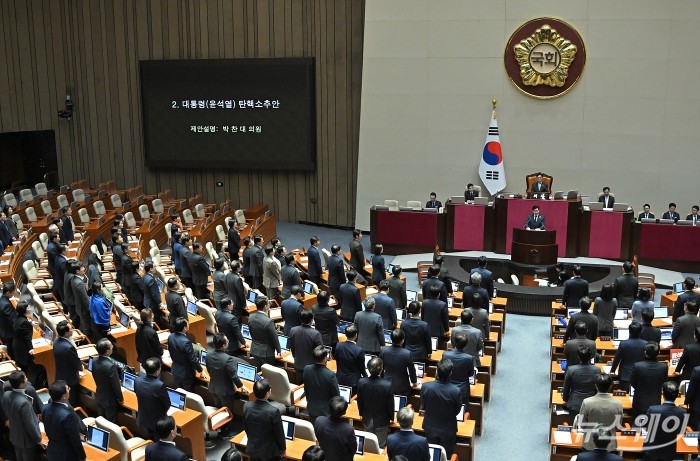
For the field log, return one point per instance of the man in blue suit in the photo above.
(336, 271)
(405, 442)
(668, 422)
(601, 436)
(535, 221)
(152, 397)
(463, 365)
(165, 449)
(315, 267)
(628, 353)
(385, 306)
(291, 309)
(398, 365)
(442, 401)
(349, 299)
(151, 292)
(185, 362)
(350, 360)
(486, 275)
(62, 426)
(68, 364)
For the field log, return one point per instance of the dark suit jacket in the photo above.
(579, 384)
(321, 385)
(185, 362)
(147, 343)
(236, 292)
(153, 401)
(571, 349)
(397, 292)
(67, 293)
(302, 341)
(647, 378)
(418, 337)
(442, 402)
(264, 336)
(247, 257)
(468, 294)
(684, 330)
(462, 371)
(256, 262)
(407, 443)
(223, 373)
(433, 204)
(22, 341)
(628, 353)
(598, 455)
(668, 413)
(387, 309)
(336, 438)
(349, 300)
(263, 424)
(651, 333)
(350, 363)
(151, 293)
(589, 319)
(611, 201)
(686, 296)
(59, 275)
(535, 223)
(574, 289)
(475, 341)
(62, 426)
(51, 252)
(234, 242)
(690, 218)
(82, 301)
(176, 306)
(336, 274)
(291, 308)
(326, 322)
(378, 268)
(470, 195)
(398, 367)
(486, 279)
(689, 360)
(109, 390)
(692, 395)
(68, 363)
(162, 451)
(436, 314)
(370, 335)
(539, 187)
(8, 315)
(228, 325)
(375, 401)
(668, 215)
(314, 262)
(439, 283)
(626, 287)
(357, 255)
(185, 255)
(290, 277)
(200, 269)
(644, 215)
(24, 424)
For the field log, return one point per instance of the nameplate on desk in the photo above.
(691, 439)
(629, 433)
(605, 338)
(563, 428)
(619, 393)
(558, 336)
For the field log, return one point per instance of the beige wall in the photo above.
(431, 69)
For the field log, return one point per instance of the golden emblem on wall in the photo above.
(545, 57)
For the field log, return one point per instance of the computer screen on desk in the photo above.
(621, 314)
(360, 439)
(678, 287)
(178, 400)
(345, 392)
(660, 312)
(124, 319)
(97, 438)
(128, 381)
(571, 311)
(203, 358)
(252, 296)
(401, 314)
(191, 308)
(343, 325)
(400, 401)
(411, 295)
(246, 372)
(435, 453)
(288, 427)
(284, 342)
(620, 334)
(245, 331)
(666, 333)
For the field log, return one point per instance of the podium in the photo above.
(537, 248)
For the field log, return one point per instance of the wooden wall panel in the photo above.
(91, 48)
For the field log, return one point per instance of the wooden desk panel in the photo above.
(403, 232)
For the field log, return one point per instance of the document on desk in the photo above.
(562, 438)
(691, 441)
(624, 324)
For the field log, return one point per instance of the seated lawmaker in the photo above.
(693, 216)
(646, 214)
(539, 186)
(606, 199)
(535, 221)
(433, 202)
(671, 213)
(470, 194)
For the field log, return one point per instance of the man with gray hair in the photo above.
(370, 328)
(475, 287)
(405, 442)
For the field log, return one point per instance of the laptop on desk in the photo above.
(621, 314)
(342, 326)
(288, 427)
(128, 381)
(247, 372)
(360, 439)
(660, 312)
(203, 358)
(420, 371)
(345, 392)
(401, 314)
(666, 333)
(284, 342)
(308, 288)
(178, 400)
(411, 295)
(191, 308)
(245, 331)
(595, 206)
(97, 438)
(435, 453)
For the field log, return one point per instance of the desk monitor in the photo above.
(595, 206)
(620, 334)
(585, 200)
(434, 343)
(390, 267)
(345, 392)
(343, 325)
(128, 381)
(308, 288)
(360, 444)
(387, 337)
(329, 352)
(620, 206)
(191, 308)
(246, 372)
(660, 312)
(420, 369)
(460, 415)
(252, 296)
(678, 287)
(288, 429)
(124, 319)
(558, 195)
(621, 314)
(245, 331)
(401, 314)
(434, 210)
(435, 453)
(376, 207)
(368, 357)
(648, 221)
(666, 221)
(684, 222)
(46, 333)
(159, 282)
(400, 401)
(177, 399)
(411, 295)
(666, 333)
(90, 364)
(571, 311)
(284, 342)
(97, 438)
(203, 358)
(450, 302)
(484, 201)
(455, 285)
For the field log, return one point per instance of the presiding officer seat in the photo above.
(532, 179)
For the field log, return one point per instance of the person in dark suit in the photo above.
(128, 272)
(236, 291)
(54, 241)
(177, 246)
(574, 289)
(486, 275)
(152, 397)
(8, 315)
(571, 346)
(646, 214)
(579, 380)
(606, 199)
(255, 266)
(185, 362)
(22, 340)
(263, 425)
(475, 338)
(326, 319)
(136, 289)
(441, 401)
(315, 268)
(106, 374)
(200, 272)
(398, 365)
(357, 252)
(405, 442)
(59, 275)
(336, 271)
(462, 365)
(375, 401)
(370, 328)
(378, 264)
(349, 360)
(690, 358)
(649, 331)
(82, 300)
(174, 303)
(417, 334)
(433, 202)
(147, 343)
(302, 341)
(335, 436)
(151, 292)
(228, 325)
(437, 315)
(185, 255)
(234, 240)
(647, 378)
(586, 317)
(224, 382)
(539, 185)
(628, 353)
(62, 426)
(470, 194)
(687, 296)
(601, 436)
(692, 398)
(320, 384)
(385, 307)
(684, 328)
(397, 288)
(117, 254)
(165, 449)
(5, 234)
(626, 287)
(291, 308)
(25, 435)
(694, 216)
(246, 256)
(290, 276)
(475, 280)
(480, 315)
(68, 300)
(433, 280)
(671, 213)
(535, 221)
(68, 364)
(670, 423)
(265, 343)
(349, 299)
